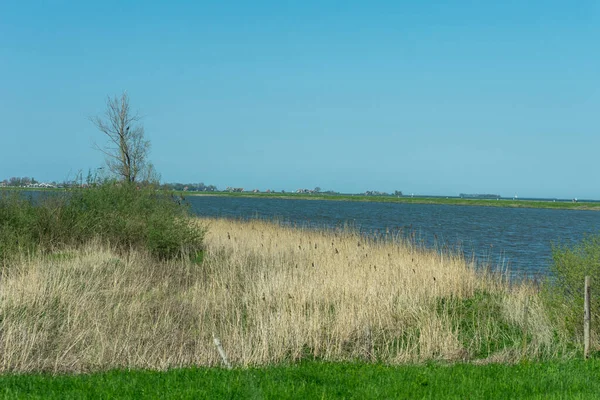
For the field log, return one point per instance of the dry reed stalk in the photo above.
(270, 293)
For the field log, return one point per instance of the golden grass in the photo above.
(270, 293)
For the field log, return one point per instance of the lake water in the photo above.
(517, 238)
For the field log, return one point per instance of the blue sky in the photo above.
(437, 97)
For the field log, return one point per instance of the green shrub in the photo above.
(123, 215)
(564, 290)
(17, 214)
(480, 323)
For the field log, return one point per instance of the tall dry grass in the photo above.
(271, 294)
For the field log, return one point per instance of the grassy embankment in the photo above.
(567, 205)
(272, 295)
(97, 283)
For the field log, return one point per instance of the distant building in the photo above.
(42, 185)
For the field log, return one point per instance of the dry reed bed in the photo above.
(270, 293)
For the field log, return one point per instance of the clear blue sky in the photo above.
(436, 97)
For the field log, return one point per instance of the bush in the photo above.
(17, 214)
(122, 215)
(565, 289)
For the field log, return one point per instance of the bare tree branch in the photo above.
(127, 149)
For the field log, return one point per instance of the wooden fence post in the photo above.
(525, 324)
(586, 319)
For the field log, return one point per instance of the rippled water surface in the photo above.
(518, 238)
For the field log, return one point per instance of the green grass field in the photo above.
(414, 200)
(315, 380)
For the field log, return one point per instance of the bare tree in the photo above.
(126, 149)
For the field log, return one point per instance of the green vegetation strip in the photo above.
(567, 205)
(311, 380)
(559, 205)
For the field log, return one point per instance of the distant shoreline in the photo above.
(507, 203)
(454, 201)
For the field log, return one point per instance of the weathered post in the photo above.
(525, 324)
(586, 319)
(221, 351)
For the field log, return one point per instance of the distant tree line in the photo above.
(479, 196)
(189, 187)
(19, 182)
(78, 181)
(397, 193)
